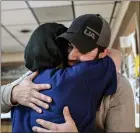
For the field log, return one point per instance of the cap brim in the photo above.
(78, 41)
(68, 36)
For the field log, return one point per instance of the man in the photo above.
(116, 112)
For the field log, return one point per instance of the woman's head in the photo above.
(42, 50)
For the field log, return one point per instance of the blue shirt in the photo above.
(80, 87)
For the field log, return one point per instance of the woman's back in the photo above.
(79, 87)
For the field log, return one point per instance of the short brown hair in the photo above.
(100, 50)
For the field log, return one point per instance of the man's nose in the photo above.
(74, 55)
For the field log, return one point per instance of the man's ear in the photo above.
(103, 54)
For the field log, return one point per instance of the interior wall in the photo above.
(125, 28)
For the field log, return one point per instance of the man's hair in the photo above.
(100, 50)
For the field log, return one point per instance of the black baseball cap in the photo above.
(87, 32)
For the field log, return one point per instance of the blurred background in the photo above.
(20, 18)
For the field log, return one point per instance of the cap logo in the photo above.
(90, 32)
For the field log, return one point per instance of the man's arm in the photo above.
(6, 91)
(121, 113)
(24, 92)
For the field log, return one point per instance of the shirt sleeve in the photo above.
(121, 113)
(6, 90)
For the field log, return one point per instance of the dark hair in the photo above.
(63, 47)
(100, 50)
(42, 50)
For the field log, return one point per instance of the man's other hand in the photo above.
(27, 94)
(68, 126)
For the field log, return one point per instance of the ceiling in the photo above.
(17, 16)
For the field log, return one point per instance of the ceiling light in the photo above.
(25, 31)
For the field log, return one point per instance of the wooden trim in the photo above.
(12, 64)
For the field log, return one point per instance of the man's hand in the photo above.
(68, 126)
(27, 94)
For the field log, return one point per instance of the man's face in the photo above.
(75, 56)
